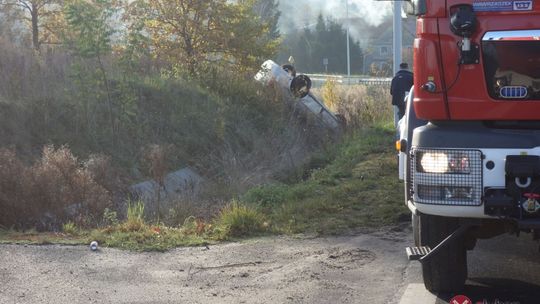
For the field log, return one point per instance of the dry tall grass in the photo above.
(361, 105)
(54, 190)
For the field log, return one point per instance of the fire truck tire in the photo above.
(447, 271)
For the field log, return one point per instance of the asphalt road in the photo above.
(505, 269)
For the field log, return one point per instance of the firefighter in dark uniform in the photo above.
(401, 83)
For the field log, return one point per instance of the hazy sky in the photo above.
(299, 13)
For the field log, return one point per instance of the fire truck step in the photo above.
(416, 253)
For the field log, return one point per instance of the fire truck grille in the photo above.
(447, 176)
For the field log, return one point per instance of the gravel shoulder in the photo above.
(362, 268)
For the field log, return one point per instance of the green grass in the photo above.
(235, 220)
(135, 218)
(37, 238)
(352, 185)
(70, 228)
(358, 188)
(148, 238)
(238, 220)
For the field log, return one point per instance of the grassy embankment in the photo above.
(348, 186)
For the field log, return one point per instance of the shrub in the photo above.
(54, 190)
(59, 181)
(102, 171)
(195, 226)
(110, 217)
(69, 228)
(331, 94)
(179, 211)
(13, 185)
(135, 217)
(238, 220)
(157, 160)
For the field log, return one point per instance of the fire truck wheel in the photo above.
(447, 271)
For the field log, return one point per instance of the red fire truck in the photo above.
(473, 170)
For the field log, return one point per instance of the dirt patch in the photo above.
(352, 269)
(349, 259)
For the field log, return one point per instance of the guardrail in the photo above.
(318, 80)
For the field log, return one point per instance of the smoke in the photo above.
(299, 14)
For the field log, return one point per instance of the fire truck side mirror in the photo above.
(415, 7)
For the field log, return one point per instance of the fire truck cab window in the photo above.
(512, 64)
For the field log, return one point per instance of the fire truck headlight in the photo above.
(446, 176)
(434, 162)
(444, 162)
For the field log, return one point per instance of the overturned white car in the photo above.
(299, 87)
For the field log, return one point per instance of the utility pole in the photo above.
(348, 45)
(398, 33)
(398, 42)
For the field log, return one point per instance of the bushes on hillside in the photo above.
(55, 189)
(226, 126)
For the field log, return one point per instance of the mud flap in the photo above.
(424, 253)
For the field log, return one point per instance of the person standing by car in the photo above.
(401, 84)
